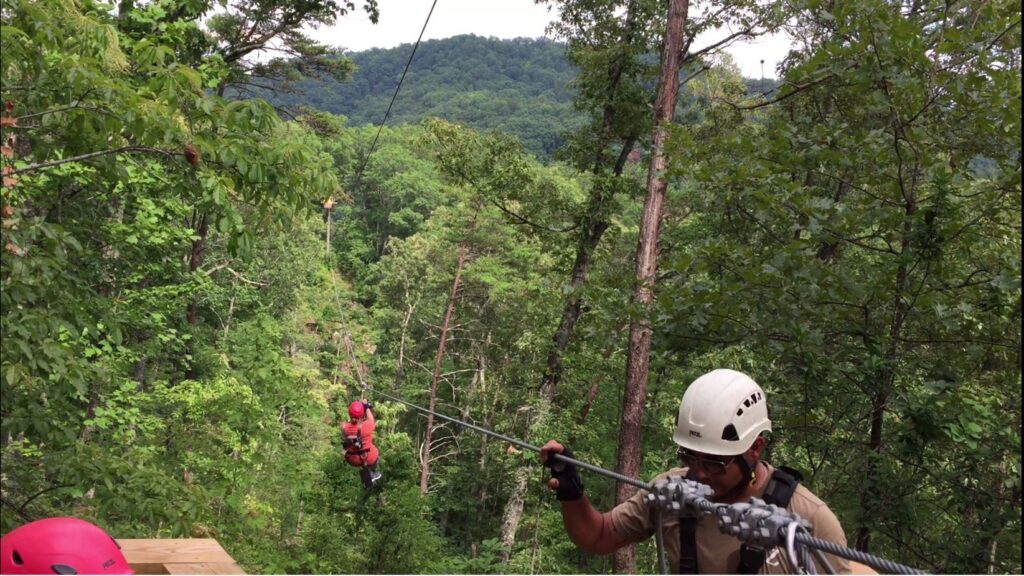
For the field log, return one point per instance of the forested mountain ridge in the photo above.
(519, 86)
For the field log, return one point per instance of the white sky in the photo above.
(402, 20)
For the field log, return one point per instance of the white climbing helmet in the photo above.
(721, 414)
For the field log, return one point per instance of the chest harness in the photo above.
(354, 444)
(778, 491)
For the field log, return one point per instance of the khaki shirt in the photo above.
(719, 553)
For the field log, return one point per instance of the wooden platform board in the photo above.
(177, 556)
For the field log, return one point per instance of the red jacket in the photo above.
(364, 429)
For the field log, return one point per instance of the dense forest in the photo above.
(183, 324)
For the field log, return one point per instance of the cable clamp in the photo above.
(757, 522)
(678, 496)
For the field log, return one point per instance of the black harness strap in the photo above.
(354, 444)
(779, 491)
(688, 545)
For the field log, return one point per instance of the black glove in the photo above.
(570, 485)
(367, 406)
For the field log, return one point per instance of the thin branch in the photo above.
(835, 303)
(246, 280)
(523, 220)
(66, 108)
(472, 182)
(1013, 346)
(760, 225)
(17, 510)
(798, 88)
(746, 32)
(90, 155)
(856, 242)
(985, 50)
(40, 493)
(689, 78)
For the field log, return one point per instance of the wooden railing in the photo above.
(177, 556)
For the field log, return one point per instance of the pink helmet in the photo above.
(61, 546)
(356, 410)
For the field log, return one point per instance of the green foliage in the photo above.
(854, 244)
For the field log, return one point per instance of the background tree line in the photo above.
(522, 87)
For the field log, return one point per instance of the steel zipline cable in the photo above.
(359, 174)
(520, 444)
(702, 505)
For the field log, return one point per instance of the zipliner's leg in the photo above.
(374, 473)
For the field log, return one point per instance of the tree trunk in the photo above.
(639, 355)
(573, 305)
(139, 372)
(90, 412)
(194, 262)
(886, 379)
(400, 362)
(591, 394)
(425, 472)
(594, 226)
(231, 310)
(329, 220)
(514, 511)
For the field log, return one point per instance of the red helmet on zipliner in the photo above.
(356, 410)
(61, 546)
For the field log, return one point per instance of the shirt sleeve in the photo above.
(827, 527)
(632, 518)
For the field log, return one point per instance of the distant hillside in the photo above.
(517, 86)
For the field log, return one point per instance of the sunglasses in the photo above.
(712, 466)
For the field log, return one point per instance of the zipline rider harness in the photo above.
(354, 447)
(354, 444)
(778, 491)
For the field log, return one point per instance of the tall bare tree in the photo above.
(425, 471)
(639, 353)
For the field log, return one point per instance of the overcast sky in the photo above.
(402, 20)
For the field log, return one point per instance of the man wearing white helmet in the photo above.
(720, 429)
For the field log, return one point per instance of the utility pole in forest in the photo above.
(329, 220)
(639, 354)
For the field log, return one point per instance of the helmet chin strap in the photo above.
(748, 479)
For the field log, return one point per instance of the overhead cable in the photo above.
(520, 443)
(359, 174)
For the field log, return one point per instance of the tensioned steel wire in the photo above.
(887, 566)
(359, 174)
(702, 505)
(520, 443)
